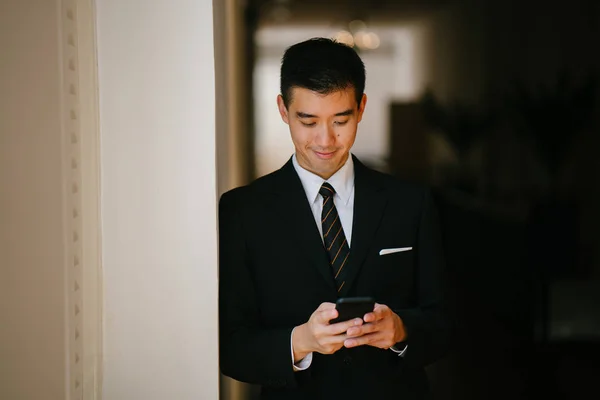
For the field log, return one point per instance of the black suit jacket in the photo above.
(274, 273)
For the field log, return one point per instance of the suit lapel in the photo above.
(369, 206)
(294, 209)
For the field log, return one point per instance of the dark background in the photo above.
(516, 95)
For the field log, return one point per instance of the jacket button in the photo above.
(347, 360)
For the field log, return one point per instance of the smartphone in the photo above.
(352, 307)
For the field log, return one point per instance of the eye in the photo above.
(309, 124)
(340, 123)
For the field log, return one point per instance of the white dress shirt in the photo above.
(343, 183)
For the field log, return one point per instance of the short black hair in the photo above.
(322, 65)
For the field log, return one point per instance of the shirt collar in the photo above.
(342, 181)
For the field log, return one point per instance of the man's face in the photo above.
(323, 127)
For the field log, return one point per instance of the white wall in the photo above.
(157, 118)
(33, 327)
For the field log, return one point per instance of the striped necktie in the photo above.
(333, 236)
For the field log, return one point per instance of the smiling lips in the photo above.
(324, 155)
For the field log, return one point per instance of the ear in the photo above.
(282, 109)
(361, 107)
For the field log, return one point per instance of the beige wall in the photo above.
(33, 329)
(159, 239)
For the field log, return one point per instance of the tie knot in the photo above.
(326, 190)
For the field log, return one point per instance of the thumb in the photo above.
(326, 306)
(325, 316)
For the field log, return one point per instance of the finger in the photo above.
(342, 327)
(335, 340)
(324, 316)
(379, 312)
(363, 340)
(364, 329)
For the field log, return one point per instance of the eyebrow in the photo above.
(301, 114)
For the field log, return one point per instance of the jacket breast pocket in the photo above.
(395, 275)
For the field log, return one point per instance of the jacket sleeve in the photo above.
(428, 325)
(248, 352)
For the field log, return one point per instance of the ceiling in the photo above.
(301, 12)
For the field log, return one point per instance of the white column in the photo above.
(157, 118)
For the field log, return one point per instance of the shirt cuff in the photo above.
(400, 351)
(302, 364)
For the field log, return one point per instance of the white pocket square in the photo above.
(383, 252)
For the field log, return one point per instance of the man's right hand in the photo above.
(317, 335)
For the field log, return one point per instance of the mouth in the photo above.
(324, 155)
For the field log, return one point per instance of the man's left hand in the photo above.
(383, 328)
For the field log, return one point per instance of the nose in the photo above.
(325, 137)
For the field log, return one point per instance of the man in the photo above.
(322, 227)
